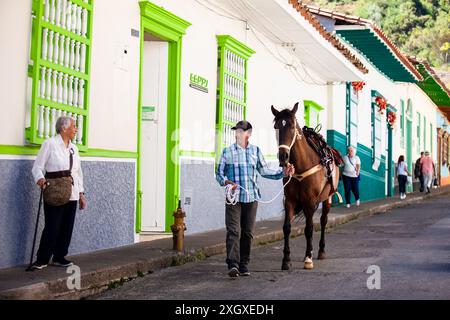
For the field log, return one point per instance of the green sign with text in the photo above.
(198, 82)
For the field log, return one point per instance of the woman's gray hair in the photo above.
(63, 123)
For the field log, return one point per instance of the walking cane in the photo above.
(35, 232)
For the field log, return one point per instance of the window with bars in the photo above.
(402, 124)
(352, 116)
(231, 87)
(312, 113)
(418, 132)
(376, 133)
(425, 146)
(60, 67)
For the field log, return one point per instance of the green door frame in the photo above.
(409, 115)
(170, 28)
(390, 160)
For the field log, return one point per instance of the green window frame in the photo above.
(312, 113)
(425, 133)
(60, 67)
(351, 116)
(376, 129)
(232, 71)
(402, 123)
(418, 136)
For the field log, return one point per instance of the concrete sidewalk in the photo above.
(104, 269)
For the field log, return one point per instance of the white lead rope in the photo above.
(231, 196)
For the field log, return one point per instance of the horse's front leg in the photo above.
(326, 205)
(288, 214)
(309, 229)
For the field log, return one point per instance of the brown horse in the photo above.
(311, 184)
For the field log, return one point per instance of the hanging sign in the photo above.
(148, 113)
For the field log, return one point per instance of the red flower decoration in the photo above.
(382, 104)
(358, 85)
(391, 117)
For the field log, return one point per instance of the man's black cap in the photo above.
(244, 125)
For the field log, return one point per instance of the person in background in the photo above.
(427, 171)
(350, 175)
(418, 171)
(402, 175)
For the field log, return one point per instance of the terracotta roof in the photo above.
(364, 22)
(302, 9)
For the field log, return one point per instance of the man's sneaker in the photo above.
(233, 272)
(38, 266)
(243, 271)
(62, 262)
(358, 202)
(348, 205)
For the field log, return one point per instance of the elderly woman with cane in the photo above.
(57, 171)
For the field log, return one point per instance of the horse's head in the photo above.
(285, 125)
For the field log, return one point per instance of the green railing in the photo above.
(60, 67)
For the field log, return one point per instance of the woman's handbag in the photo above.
(409, 180)
(58, 187)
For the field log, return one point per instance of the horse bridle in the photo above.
(296, 134)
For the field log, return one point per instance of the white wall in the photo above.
(15, 26)
(269, 82)
(425, 106)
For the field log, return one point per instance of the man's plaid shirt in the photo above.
(240, 166)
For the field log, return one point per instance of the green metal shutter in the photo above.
(60, 70)
(402, 124)
(352, 116)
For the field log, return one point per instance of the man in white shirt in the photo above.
(54, 156)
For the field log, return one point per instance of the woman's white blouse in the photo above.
(54, 156)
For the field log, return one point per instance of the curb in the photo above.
(100, 280)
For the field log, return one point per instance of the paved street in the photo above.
(410, 245)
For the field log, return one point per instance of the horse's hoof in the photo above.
(321, 256)
(285, 266)
(308, 264)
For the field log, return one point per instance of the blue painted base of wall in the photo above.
(107, 222)
(373, 182)
(207, 209)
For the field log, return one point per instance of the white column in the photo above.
(60, 87)
(77, 56)
(72, 54)
(53, 123)
(80, 129)
(69, 16)
(84, 19)
(46, 9)
(63, 13)
(61, 50)
(81, 94)
(42, 83)
(58, 114)
(44, 43)
(65, 88)
(58, 13)
(75, 92)
(70, 100)
(50, 46)
(67, 53)
(48, 85)
(74, 18)
(52, 12)
(83, 58)
(41, 121)
(64, 114)
(78, 25)
(56, 48)
(47, 122)
(55, 86)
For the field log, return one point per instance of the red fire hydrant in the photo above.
(178, 228)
